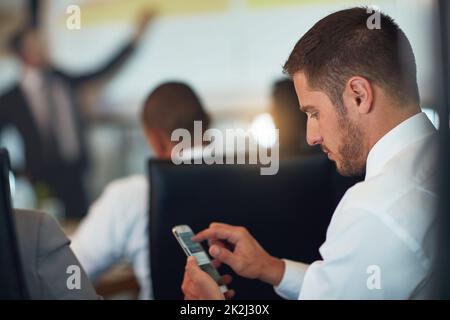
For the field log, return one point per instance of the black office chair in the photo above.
(12, 281)
(288, 213)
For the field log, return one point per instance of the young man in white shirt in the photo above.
(116, 226)
(358, 88)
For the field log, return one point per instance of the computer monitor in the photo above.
(11, 273)
(288, 213)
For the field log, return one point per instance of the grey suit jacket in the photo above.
(51, 269)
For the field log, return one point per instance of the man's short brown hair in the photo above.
(171, 106)
(341, 46)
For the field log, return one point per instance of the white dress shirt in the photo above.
(380, 243)
(116, 228)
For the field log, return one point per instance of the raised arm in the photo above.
(118, 59)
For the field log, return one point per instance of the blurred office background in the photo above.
(230, 51)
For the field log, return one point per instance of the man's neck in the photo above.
(388, 120)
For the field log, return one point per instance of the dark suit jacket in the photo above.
(15, 111)
(46, 257)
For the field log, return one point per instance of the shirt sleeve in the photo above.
(99, 241)
(290, 285)
(363, 258)
(116, 229)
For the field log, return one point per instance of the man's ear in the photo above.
(358, 93)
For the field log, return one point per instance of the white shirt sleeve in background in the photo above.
(116, 228)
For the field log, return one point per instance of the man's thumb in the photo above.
(192, 266)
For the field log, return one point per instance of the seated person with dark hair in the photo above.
(117, 223)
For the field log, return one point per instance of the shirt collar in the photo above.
(407, 132)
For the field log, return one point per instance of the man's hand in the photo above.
(236, 247)
(198, 285)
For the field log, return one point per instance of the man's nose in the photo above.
(313, 136)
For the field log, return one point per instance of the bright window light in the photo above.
(264, 131)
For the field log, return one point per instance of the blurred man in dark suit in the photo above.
(42, 106)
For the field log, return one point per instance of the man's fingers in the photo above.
(192, 267)
(226, 279)
(190, 263)
(190, 296)
(216, 263)
(225, 256)
(212, 234)
(186, 282)
(229, 294)
(212, 242)
(186, 287)
(219, 232)
(212, 226)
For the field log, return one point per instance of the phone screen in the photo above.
(196, 250)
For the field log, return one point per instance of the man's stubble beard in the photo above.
(352, 160)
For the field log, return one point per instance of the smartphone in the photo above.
(184, 234)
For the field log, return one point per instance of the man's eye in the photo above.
(314, 115)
